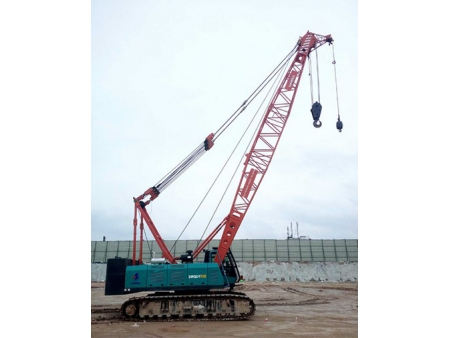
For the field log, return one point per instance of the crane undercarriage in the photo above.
(213, 305)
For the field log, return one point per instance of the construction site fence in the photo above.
(244, 250)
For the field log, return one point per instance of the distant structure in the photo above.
(289, 236)
(291, 233)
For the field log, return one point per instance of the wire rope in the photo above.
(196, 153)
(200, 150)
(311, 86)
(318, 79)
(247, 147)
(335, 82)
(279, 72)
(255, 93)
(214, 182)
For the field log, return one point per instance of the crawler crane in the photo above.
(179, 287)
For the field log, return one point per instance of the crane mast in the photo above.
(264, 145)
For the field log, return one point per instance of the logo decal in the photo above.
(196, 276)
(135, 278)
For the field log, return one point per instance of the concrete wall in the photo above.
(299, 271)
(278, 271)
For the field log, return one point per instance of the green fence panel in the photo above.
(259, 250)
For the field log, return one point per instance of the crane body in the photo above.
(181, 288)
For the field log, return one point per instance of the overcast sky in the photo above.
(165, 74)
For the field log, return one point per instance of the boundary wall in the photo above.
(244, 250)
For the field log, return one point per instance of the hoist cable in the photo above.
(335, 81)
(318, 82)
(191, 158)
(255, 93)
(247, 147)
(199, 151)
(221, 171)
(182, 167)
(310, 79)
(212, 185)
(230, 181)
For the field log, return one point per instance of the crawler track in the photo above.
(215, 306)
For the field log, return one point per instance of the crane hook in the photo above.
(339, 124)
(316, 109)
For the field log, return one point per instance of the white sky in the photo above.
(57, 156)
(166, 74)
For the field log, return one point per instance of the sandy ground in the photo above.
(282, 309)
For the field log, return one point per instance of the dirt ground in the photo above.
(283, 309)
